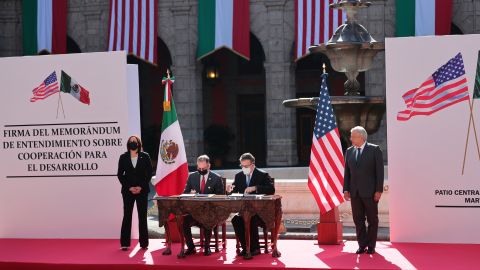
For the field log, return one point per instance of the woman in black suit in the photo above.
(134, 173)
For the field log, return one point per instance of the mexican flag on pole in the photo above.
(69, 85)
(423, 17)
(172, 167)
(44, 26)
(223, 24)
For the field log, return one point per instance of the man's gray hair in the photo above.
(247, 156)
(203, 158)
(360, 130)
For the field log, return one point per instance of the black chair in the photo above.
(215, 229)
(262, 225)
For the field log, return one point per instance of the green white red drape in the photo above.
(44, 26)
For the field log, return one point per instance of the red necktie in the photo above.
(202, 185)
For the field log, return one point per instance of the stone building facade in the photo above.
(271, 22)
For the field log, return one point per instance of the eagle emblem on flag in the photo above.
(168, 151)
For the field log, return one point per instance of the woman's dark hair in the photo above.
(139, 142)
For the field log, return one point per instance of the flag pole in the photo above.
(329, 227)
(58, 103)
(474, 128)
(61, 102)
(471, 120)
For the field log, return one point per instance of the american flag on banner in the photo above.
(315, 23)
(325, 174)
(133, 28)
(47, 88)
(445, 87)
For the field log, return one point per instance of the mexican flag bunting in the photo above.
(223, 24)
(44, 26)
(423, 17)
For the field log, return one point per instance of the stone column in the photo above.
(378, 19)
(10, 28)
(88, 24)
(281, 121)
(188, 85)
(465, 15)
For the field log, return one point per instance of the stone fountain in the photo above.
(351, 50)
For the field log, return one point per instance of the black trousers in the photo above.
(129, 200)
(188, 222)
(239, 228)
(361, 208)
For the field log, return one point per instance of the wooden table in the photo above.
(214, 210)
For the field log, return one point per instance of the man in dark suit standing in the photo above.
(250, 180)
(203, 181)
(363, 185)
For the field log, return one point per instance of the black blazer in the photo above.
(214, 183)
(134, 177)
(260, 179)
(364, 176)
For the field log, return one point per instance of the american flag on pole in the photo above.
(315, 23)
(445, 87)
(47, 88)
(133, 28)
(325, 174)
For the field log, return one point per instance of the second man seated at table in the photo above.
(203, 181)
(254, 181)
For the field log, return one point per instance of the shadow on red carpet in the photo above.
(89, 254)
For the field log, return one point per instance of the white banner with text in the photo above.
(433, 119)
(64, 124)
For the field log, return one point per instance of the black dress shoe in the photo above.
(207, 252)
(190, 251)
(242, 253)
(360, 250)
(144, 248)
(255, 252)
(371, 250)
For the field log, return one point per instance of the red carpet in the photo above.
(296, 254)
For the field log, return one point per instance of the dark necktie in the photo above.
(248, 180)
(202, 185)
(358, 154)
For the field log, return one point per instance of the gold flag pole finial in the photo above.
(324, 68)
(168, 73)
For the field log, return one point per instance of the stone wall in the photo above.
(299, 207)
(272, 22)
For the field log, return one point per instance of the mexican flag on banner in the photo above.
(223, 24)
(69, 85)
(172, 167)
(44, 26)
(423, 17)
(476, 88)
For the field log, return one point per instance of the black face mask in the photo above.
(202, 172)
(132, 146)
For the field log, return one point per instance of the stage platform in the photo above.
(76, 254)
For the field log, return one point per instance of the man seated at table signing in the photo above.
(203, 181)
(253, 181)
